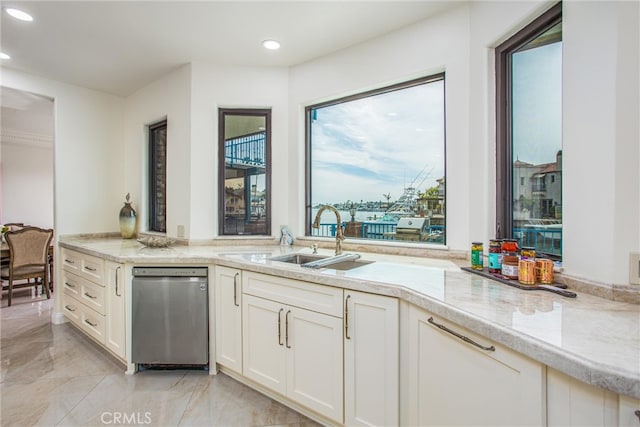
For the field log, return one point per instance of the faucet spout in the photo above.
(339, 230)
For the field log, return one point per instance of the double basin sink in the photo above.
(338, 262)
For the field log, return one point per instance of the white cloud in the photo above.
(364, 148)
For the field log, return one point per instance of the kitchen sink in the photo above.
(338, 262)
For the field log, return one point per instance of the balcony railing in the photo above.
(544, 240)
(376, 231)
(246, 151)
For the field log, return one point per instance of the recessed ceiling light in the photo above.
(19, 14)
(271, 44)
(4, 56)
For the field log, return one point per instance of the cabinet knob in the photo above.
(637, 413)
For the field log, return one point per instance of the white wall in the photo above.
(601, 138)
(190, 98)
(27, 183)
(429, 47)
(216, 87)
(168, 97)
(88, 140)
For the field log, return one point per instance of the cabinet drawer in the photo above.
(71, 261)
(92, 295)
(93, 268)
(86, 319)
(71, 284)
(71, 309)
(322, 299)
(94, 324)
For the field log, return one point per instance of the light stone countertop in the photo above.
(591, 339)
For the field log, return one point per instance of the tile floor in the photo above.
(52, 375)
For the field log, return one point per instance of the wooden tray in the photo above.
(556, 288)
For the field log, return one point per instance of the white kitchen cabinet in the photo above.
(93, 298)
(293, 350)
(628, 412)
(228, 302)
(573, 403)
(371, 351)
(83, 297)
(474, 382)
(115, 309)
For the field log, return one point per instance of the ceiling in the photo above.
(120, 46)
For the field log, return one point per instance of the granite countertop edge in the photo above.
(603, 375)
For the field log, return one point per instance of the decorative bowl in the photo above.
(156, 242)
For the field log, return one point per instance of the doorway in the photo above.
(26, 158)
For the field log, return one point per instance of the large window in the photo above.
(158, 177)
(378, 158)
(244, 171)
(529, 131)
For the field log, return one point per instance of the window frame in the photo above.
(504, 149)
(153, 214)
(222, 113)
(308, 207)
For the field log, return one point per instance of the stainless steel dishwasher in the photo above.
(170, 322)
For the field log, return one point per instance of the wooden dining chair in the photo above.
(28, 259)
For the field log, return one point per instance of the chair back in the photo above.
(29, 246)
(13, 226)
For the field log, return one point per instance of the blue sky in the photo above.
(376, 145)
(537, 104)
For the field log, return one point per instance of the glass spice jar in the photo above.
(510, 246)
(477, 261)
(495, 256)
(510, 266)
(528, 252)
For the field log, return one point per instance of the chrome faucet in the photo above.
(339, 231)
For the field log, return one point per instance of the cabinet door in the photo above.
(228, 296)
(454, 382)
(115, 309)
(371, 348)
(573, 403)
(263, 339)
(314, 361)
(629, 412)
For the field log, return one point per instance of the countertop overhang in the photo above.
(592, 339)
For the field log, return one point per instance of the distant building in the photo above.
(537, 190)
(430, 204)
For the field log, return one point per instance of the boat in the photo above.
(406, 204)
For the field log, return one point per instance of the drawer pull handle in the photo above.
(462, 337)
(90, 324)
(346, 317)
(68, 307)
(87, 294)
(69, 261)
(90, 269)
(637, 413)
(117, 274)
(280, 327)
(235, 290)
(286, 329)
(71, 285)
